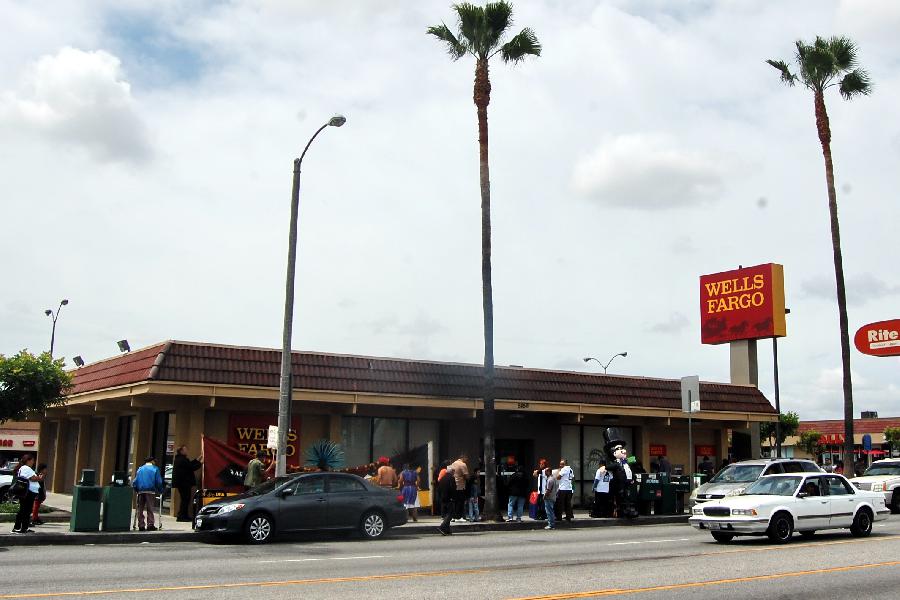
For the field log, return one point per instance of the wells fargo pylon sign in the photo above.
(744, 304)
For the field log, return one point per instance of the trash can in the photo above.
(664, 503)
(85, 504)
(117, 501)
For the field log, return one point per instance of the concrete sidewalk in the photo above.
(57, 533)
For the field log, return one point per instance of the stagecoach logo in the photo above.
(879, 339)
(744, 304)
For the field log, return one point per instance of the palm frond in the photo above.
(856, 83)
(471, 27)
(844, 52)
(525, 43)
(455, 48)
(325, 455)
(786, 75)
(816, 64)
(497, 19)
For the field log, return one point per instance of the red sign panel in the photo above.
(744, 304)
(657, 450)
(248, 433)
(879, 339)
(705, 450)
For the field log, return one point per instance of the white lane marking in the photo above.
(284, 560)
(648, 542)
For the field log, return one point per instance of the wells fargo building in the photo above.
(153, 400)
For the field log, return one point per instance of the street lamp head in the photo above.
(624, 354)
(123, 346)
(64, 302)
(586, 358)
(48, 312)
(337, 120)
(79, 362)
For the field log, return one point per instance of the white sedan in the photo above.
(779, 505)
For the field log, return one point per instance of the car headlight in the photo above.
(736, 492)
(746, 512)
(231, 508)
(878, 487)
(697, 510)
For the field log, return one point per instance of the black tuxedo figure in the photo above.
(621, 485)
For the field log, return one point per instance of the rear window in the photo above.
(738, 474)
(792, 467)
(810, 467)
(883, 469)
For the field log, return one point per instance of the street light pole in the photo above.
(605, 366)
(285, 383)
(54, 316)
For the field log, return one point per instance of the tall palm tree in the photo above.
(824, 64)
(480, 32)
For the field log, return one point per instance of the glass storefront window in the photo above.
(356, 440)
(388, 437)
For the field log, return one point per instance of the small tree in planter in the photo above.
(809, 442)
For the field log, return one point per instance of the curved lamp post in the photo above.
(605, 366)
(286, 386)
(54, 316)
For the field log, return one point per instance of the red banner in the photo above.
(744, 304)
(657, 449)
(249, 432)
(223, 466)
(705, 450)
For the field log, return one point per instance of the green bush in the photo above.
(13, 507)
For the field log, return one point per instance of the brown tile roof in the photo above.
(235, 365)
(834, 426)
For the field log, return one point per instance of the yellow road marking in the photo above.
(445, 573)
(696, 584)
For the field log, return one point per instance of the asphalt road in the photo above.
(659, 561)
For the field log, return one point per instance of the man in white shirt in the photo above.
(564, 499)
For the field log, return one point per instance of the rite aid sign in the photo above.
(879, 339)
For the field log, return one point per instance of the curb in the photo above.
(158, 537)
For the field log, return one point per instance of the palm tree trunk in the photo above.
(824, 130)
(482, 97)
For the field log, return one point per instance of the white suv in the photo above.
(732, 480)
(882, 476)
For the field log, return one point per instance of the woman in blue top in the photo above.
(26, 472)
(410, 489)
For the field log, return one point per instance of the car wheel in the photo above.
(895, 502)
(807, 535)
(781, 528)
(373, 525)
(862, 523)
(4, 491)
(259, 528)
(722, 538)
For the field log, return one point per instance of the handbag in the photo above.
(18, 489)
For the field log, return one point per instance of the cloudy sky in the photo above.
(145, 168)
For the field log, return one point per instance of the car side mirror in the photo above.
(286, 492)
(802, 494)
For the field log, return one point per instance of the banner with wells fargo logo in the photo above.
(248, 433)
(744, 304)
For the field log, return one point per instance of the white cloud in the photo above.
(81, 98)
(860, 289)
(647, 172)
(676, 323)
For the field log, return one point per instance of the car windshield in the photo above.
(773, 486)
(267, 486)
(738, 474)
(893, 469)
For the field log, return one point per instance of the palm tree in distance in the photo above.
(824, 64)
(480, 32)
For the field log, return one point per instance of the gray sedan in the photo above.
(305, 502)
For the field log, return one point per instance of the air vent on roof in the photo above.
(516, 367)
(869, 414)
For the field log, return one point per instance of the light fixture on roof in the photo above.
(79, 362)
(123, 346)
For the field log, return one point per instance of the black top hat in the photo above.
(613, 438)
